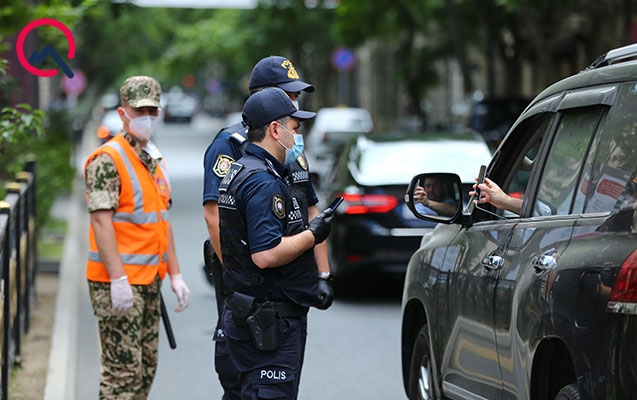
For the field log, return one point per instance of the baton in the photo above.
(167, 326)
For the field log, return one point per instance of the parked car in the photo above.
(180, 108)
(540, 304)
(373, 230)
(332, 128)
(492, 118)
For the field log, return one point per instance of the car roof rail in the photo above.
(613, 56)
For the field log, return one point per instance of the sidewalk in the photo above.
(62, 361)
(60, 382)
(27, 380)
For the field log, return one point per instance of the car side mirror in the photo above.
(435, 197)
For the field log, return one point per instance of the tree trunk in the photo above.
(458, 37)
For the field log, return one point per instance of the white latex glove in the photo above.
(121, 295)
(181, 291)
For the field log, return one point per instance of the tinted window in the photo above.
(564, 163)
(612, 173)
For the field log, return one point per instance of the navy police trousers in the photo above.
(268, 374)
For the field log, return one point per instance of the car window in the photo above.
(563, 166)
(516, 159)
(611, 177)
(515, 185)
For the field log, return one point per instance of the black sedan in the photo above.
(373, 231)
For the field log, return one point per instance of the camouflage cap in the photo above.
(140, 91)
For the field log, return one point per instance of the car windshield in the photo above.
(396, 162)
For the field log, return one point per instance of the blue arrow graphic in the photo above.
(37, 58)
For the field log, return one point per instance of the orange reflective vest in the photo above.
(140, 221)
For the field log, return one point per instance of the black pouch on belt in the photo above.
(241, 306)
(263, 325)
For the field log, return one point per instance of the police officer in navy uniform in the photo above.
(267, 243)
(228, 146)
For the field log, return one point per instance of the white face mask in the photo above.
(142, 127)
(296, 103)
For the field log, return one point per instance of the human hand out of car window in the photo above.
(493, 194)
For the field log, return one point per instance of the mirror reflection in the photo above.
(435, 195)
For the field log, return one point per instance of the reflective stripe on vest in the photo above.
(129, 225)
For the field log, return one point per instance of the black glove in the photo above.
(321, 225)
(326, 294)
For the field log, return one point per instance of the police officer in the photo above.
(227, 147)
(269, 269)
(131, 245)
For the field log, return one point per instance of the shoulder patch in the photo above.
(222, 165)
(278, 206)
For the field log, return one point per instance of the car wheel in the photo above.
(420, 371)
(569, 392)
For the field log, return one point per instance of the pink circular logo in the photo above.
(37, 57)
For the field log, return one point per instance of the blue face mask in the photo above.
(292, 154)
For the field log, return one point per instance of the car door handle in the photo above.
(544, 262)
(492, 263)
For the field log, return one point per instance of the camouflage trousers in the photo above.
(129, 343)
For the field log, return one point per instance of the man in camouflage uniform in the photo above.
(131, 245)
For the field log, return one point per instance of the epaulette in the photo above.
(238, 138)
(238, 133)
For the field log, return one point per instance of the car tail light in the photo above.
(353, 258)
(625, 289)
(368, 203)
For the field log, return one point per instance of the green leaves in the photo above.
(20, 123)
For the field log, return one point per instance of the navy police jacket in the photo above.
(228, 146)
(257, 207)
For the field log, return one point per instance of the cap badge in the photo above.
(292, 74)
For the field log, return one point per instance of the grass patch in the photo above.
(51, 240)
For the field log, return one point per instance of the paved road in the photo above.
(353, 349)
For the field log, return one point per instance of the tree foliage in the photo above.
(487, 38)
(25, 131)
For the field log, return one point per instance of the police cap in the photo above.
(269, 105)
(277, 71)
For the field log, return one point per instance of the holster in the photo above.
(212, 265)
(263, 325)
(262, 318)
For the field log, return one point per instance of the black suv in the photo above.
(540, 304)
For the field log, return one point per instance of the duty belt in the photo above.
(285, 309)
